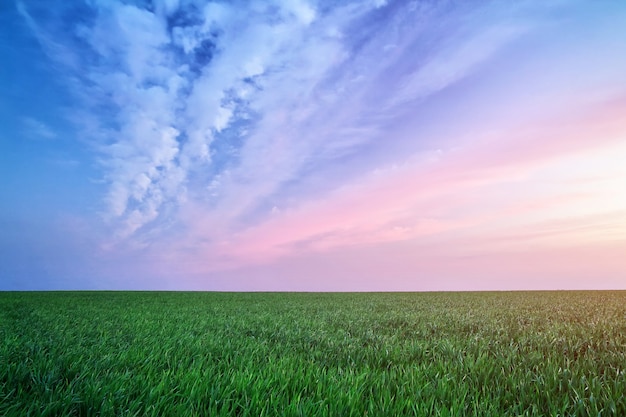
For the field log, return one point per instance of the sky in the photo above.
(295, 145)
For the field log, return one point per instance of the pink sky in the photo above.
(542, 208)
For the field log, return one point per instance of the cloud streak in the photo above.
(36, 129)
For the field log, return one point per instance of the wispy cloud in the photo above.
(35, 129)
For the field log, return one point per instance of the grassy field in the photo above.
(259, 354)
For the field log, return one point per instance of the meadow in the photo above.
(313, 354)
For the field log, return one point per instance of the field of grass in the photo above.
(260, 354)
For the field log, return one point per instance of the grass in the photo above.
(260, 354)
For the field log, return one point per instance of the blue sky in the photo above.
(312, 145)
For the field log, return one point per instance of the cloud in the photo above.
(181, 92)
(57, 49)
(455, 62)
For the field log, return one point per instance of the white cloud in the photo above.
(169, 108)
(166, 7)
(303, 11)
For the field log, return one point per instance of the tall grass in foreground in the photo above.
(384, 354)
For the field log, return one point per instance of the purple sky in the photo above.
(318, 146)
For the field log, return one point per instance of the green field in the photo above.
(274, 354)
